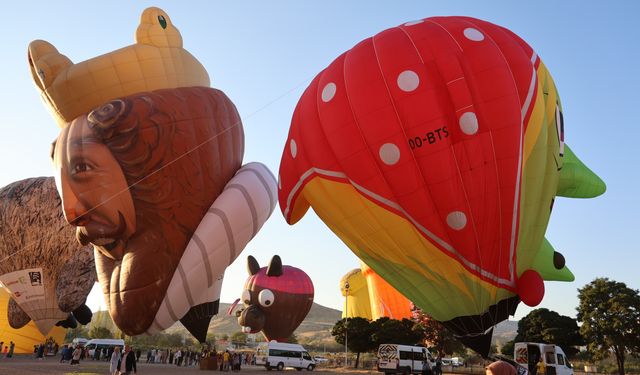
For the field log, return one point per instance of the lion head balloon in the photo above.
(149, 168)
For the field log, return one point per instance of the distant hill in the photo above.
(504, 332)
(317, 324)
(314, 331)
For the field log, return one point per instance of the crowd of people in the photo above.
(181, 357)
(7, 350)
(230, 361)
(178, 357)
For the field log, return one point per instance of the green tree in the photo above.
(292, 339)
(211, 338)
(610, 316)
(507, 348)
(100, 333)
(543, 325)
(403, 331)
(76, 332)
(358, 332)
(239, 338)
(434, 334)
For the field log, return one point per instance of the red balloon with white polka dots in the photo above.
(434, 150)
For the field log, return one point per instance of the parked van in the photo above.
(79, 341)
(555, 361)
(279, 355)
(405, 359)
(103, 344)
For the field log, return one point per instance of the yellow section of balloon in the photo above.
(156, 61)
(370, 239)
(26, 337)
(357, 302)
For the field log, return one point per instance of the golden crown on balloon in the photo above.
(155, 61)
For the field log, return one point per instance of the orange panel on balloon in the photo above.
(385, 299)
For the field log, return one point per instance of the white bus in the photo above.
(405, 359)
(103, 344)
(280, 355)
(555, 361)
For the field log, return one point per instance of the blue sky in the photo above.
(263, 54)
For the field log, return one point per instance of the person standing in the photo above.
(63, 353)
(225, 360)
(127, 362)
(540, 367)
(115, 358)
(75, 359)
(178, 357)
(12, 346)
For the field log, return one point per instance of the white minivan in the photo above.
(103, 344)
(279, 355)
(555, 361)
(405, 359)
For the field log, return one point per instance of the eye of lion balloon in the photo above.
(163, 21)
(266, 298)
(560, 129)
(246, 297)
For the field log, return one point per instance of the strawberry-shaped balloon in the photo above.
(277, 298)
(435, 150)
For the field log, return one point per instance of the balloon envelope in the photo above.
(434, 150)
(160, 190)
(29, 335)
(276, 299)
(357, 300)
(48, 273)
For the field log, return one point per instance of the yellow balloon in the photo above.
(26, 337)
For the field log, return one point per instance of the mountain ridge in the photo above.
(314, 330)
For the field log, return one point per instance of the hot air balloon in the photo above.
(385, 300)
(276, 299)
(48, 274)
(149, 167)
(28, 335)
(435, 151)
(369, 296)
(353, 286)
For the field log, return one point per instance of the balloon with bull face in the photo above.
(435, 151)
(277, 298)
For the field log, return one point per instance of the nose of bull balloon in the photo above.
(530, 288)
(252, 317)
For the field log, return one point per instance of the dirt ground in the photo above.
(27, 365)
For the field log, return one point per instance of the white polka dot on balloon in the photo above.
(389, 153)
(279, 183)
(408, 81)
(416, 22)
(473, 34)
(456, 220)
(328, 92)
(469, 123)
(293, 147)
